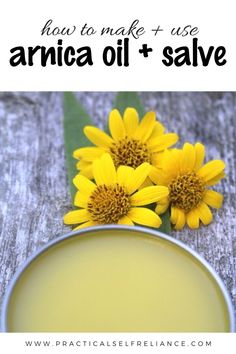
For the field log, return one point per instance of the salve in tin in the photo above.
(117, 279)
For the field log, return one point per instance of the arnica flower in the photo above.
(113, 198)
(188, 180)
(131, 142)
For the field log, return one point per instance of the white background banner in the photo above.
(120, 343)
(184, 45)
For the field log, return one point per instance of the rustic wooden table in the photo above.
(34, 191)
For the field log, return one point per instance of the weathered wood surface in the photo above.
(34, 191)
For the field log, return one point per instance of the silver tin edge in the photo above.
(145, 230)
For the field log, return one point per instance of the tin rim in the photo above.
(144, 230)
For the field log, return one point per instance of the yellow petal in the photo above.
(171, 165)
(216, 179)
(104, 170)
(97, 136)
(199, 156)
(81, 164)
(144, 216)
(181, 219)
(87, 172)
(146, 183)
(157, 159)
(125, 220)
(163, 142)
(131, 120)
(146, 126)
(76, 216)
(193, 219)
(164, 200)
(81, 200)
(188, 161)
(211, 170)
(213, 198)
(124, 175)
(116, 125)
(149, 195)
(204, 213)
(139, 176)
(88, 153)
(83, 184)
(158, 130)
(161, 208)
(86, 224)
(154, 174)
(173, 215)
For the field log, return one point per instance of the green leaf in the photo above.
(129, 99)
(166, 226)
(75, 118)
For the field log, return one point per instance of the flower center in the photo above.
(129, 152)
(108, 204)
(186, 191)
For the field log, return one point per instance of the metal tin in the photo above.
(144, 230)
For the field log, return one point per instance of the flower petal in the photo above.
(88, 153)
(171, 164)
(125, 220)
(76, 216)
(104, 170)
(199, 155)
(124, 175)
(216, 179)
(139, 176)
(81, 200)
(86, 224)
(161, 208)
(173, 215)
(158, 130)
(204, 213)
(97, 136)
(180, 219)
(144, 216)
(211, 170)
(146, 183)
(154, 174)
(149, 195)
(83, 184)
(145, 127)
(87, 172)
(163, 142)
(213, 198)
(81, 164)
(116, 125)
(188, 161)
(131, 120)
(157, 159)
(193, 219)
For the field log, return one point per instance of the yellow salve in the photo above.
(116, 281)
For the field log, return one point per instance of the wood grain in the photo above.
(34, 191)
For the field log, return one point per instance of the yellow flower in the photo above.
(131, 142)
(188, 180)
(113, 198)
